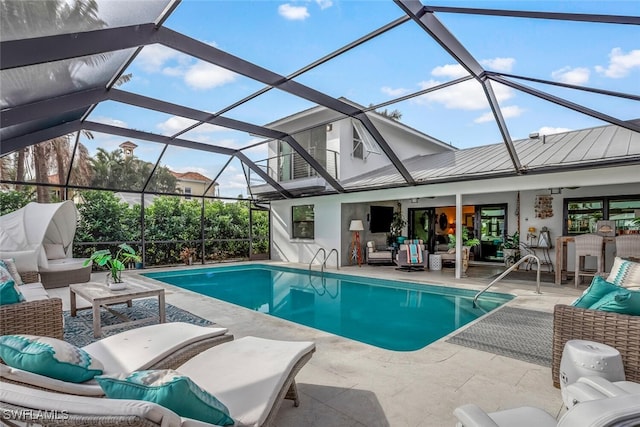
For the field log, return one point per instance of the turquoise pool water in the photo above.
(388, 314)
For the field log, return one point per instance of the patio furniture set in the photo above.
(251, 375)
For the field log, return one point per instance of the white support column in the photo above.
(459, 235)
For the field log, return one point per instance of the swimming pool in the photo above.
(389, 314)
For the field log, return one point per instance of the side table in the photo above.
(435, 262)
(99, 295)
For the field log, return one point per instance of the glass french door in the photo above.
(491, 231)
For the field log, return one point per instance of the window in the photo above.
(626, 214)
(303, 222)
(581, 215)
(358, 147)
(187, 193)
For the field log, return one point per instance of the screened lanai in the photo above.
(191, 99)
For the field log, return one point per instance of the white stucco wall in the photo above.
(331, 229)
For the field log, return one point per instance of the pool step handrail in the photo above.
(316, 256)
(326, 257)
(337, 260)
(509, 270)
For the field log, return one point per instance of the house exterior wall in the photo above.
(406, 142)
(197, 187)
(334, 212)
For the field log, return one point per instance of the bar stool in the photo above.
(588, 245)
(628, 245)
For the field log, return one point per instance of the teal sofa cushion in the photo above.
(9, 292)
(623, 301)
(595, 292)
(50, 357)
(170, 389)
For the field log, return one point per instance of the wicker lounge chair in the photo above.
(41, 317)
(251, 376)
(160, 346)
(620, 331)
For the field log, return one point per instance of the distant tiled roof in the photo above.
(581, 148)
(191, 176)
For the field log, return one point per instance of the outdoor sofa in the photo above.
(620, 331)
(610, 327)
(38, 315)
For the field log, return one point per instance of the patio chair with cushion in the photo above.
(250, 377)
(593, 388)
(412, 256)
(615, 411)
(376, 255)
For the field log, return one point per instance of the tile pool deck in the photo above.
(348, 383)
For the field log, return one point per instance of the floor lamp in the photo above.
(356, 250)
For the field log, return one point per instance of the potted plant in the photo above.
(187, 254)
(511, 249)
(397, 225)
(115, 263)
(468, 241)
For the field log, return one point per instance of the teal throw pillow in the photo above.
(170, 389)
(9, 292)
(50, 357)
(595, 292)
(623, 301)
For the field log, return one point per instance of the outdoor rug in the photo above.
(79, 330)
(513, 332)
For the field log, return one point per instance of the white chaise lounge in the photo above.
(251, 376)
(160, 346)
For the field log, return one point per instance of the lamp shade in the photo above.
(532, 230)
(356, 225)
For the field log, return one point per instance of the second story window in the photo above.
(358, 145)
(187, 193)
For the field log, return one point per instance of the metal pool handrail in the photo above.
(326, 257)
(509, 270)
(316, 255)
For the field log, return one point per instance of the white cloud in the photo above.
(394, 92)
(153, 57)
(467, 95)
(548, 130)
(499, 64)
(452, 71)
(574, 76)
(620, 63)
(176, 123)
(203, 75)
(197, 74)
(324, 4)
(109, 121)
(293, 13)
(507, 112)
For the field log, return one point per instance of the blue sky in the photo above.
(285, 36)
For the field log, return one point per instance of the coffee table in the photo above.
(99, 295)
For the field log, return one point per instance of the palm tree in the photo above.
(29, 18)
